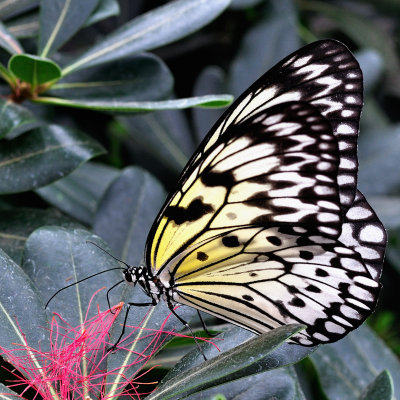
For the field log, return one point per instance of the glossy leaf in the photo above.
(8, 8)
(17, 224)
(33, 69)
(7, 393)
(22, 315)
(263, 46)
(42, 156)
(138, 106)
(378, 157)
(8, 42)
(211, 80)
(156, 28)
(381, 388)
(279, 384)
(55, 257)
(137, 78)
(60, 20)
(25, 26)
(127, 211)
(104, 9)
(347, 367)
(239, 4)
(161, 139)
(15, 119)
(79, 193)
(388, 210)
(243, 360)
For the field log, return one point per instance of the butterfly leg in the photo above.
(187, 326)
(114, 346)
(208, 333)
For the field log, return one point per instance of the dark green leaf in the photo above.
(371, 64)
(211, 80)
(142, 77)
(388, 210)
(15, 119)
(381, 388)
(163, 135)
(279, 384)
(156, 28)
(127, 211)
(241, 361)
(60, 20)
(22, 315)
(104, 9)
(136, 106)
(17, 224)
(346, 367)
(25, 26)
(42, 156)
(239, 4)
(378, 156)
(263, 46)
(78, 194)
(55, 257)
(33, 69)
(365, 32)
(8, 7)
(7, 393)
(8, 41)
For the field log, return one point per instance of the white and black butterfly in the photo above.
(266, 226)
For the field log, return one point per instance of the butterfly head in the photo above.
(132, 275)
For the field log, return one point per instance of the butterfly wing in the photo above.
(323, 74)
(262, 230)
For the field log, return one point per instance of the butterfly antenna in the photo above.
(107, 252)
(81, 280)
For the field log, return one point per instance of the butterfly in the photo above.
(266, 226)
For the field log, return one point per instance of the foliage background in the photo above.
(52, 204)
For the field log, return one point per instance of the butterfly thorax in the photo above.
(151, 285)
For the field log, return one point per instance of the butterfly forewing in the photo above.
(262, 229)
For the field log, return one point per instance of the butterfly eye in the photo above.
(128, 276)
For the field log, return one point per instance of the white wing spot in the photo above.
(345, 129)
(371, 233)
(335, 328)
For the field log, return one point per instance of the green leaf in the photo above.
(346, 367)
(279, 384)
(388, 210)
(25, 26)
(137, 106)
(8, 8)
(211, 80)
(156, 28)
(15, 119)
(137, 78)
(378, 158)
(381, 388)
(127, 211)
(162, 136)
(7, 393)
(21, 311)
(264, 45)
(42, 156)
(104, 9)
(55, 257)
(33, 69)
(60, 20)
(17, 224)
(233, 364)
(79, 193)
(365, 32)
(8, 41)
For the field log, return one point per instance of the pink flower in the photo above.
(75, 366)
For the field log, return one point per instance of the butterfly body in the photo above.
(266, 226)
